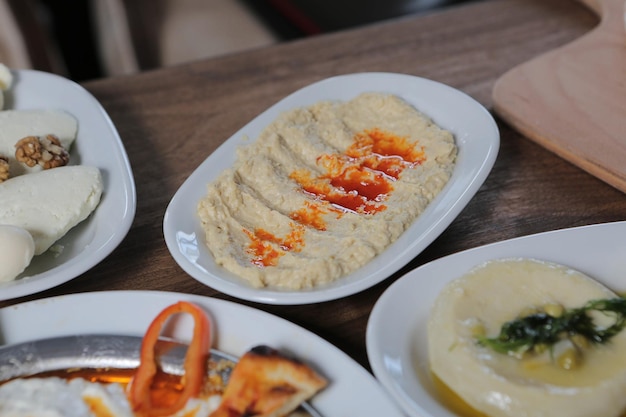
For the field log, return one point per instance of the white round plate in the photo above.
(396, 330)
(352, 391)
(98, 144)
(478, 141)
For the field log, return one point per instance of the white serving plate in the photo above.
(476, 135)
(98, 144)
(398, 353)
(352, 390)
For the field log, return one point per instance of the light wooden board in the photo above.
(572, 100)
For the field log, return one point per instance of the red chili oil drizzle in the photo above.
(310, 215)
(266, 247)
(358, 181)
(386, 152)
(344, 190)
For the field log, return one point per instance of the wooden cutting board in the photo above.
(572, 100)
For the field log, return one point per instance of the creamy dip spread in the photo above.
(535, 384)
(324, 189)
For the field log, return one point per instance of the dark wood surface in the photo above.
(171, 119)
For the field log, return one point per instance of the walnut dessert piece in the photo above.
(4, 168)
(18, 124)
(45, 151)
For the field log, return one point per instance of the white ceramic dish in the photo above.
(478, 141)
(98, 144)
(352, 390)
(398, 353)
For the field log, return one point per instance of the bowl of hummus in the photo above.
(445, 354)
(332, 189)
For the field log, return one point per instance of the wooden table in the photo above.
(170, 120)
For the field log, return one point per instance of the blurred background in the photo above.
(89, 39)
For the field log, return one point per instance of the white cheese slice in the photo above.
(6, 80)
(49, 203)
(16, 251)
(17, 124)
(502, 385)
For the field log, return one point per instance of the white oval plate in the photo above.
(478, 141)
(98, 144)
(396, 331)
(352, 390)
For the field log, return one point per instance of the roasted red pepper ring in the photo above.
(195, 362)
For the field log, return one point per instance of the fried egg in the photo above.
(77, 397)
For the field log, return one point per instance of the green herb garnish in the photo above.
(541, 329)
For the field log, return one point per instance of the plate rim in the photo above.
(342, 371)
(70, 269)
(351, 283)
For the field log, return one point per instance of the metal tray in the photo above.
(106, 351)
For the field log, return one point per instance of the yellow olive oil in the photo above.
(451, 400)
(455, 403)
